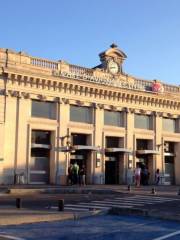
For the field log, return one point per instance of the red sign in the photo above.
(157, 87)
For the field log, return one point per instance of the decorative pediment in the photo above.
(113, 52)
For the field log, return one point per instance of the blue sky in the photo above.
(148, 31)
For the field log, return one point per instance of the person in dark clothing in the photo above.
(82, 176)
(157, 177)
(70, 175)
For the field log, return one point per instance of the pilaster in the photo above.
(63, 157)
(10, 140)
(98, 159)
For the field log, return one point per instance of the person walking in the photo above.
(137, 173)
(157, 177)
(75, 172)
(70, 175)
(82, 176)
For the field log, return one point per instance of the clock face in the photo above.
(113, 67)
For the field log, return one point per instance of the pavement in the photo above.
(10, 215)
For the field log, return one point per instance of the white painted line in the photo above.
(76, 209)
(151, 198)
(156, 197)
(167, 236)
(10, 237)
(118, 203)
(107, 205)
(77, 205)
(138, 200)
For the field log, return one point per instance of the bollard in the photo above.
(178, 192)
(18, 203)
(129, 188)
(61, 205)
(153, 191)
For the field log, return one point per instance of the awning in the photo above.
(37, 145)
(147, 152)
(62, 149)
(123, 150)
(85, 147)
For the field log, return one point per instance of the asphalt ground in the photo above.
(44, 201)
(98, 228)
(36, 206)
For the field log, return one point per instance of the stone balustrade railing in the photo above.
(44, 63)
(167, 87)
(88, 71)
(80, 70)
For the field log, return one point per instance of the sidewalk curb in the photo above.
(60, 190)
(24, 216)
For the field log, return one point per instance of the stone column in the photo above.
(130, 144)
(10, 140)
(158, 144)
(63, 158)
(98, 160)
(177, 163)
(22, 136)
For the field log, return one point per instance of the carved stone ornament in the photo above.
(25, 95)
(14, 93)
(3, 92)
(57, 99)
(126, 109)
(41, 97)
(65, 100)
(112, 107)
(131, 110)
(100, 106)
(94, 105)
(143, 111)
(79, 103)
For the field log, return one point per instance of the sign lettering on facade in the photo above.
(99, 80)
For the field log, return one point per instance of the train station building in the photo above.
(53, 113)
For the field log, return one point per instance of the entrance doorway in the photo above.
(169, 170)
(39, 166)
(81, 156)
(112, 169)
(145, 163)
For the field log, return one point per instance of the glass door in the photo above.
(40, 157)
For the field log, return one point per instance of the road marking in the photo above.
(75, 209)
(156, 197)
(10, 237)
(136, 201)
(106, 204)
(118, 203)
(167, 236)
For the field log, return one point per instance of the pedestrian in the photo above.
(70, 175)
(137, 173)
(146, 176)
(75, 172)
(82, 176)
(157, 177)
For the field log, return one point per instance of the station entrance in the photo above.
(114, 160)
(39, 165)
(169, 159)
(81, 153)
(112, 168)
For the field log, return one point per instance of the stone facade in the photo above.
(24, 78)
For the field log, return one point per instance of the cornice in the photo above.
(95, 91)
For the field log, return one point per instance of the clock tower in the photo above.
(112, 59)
